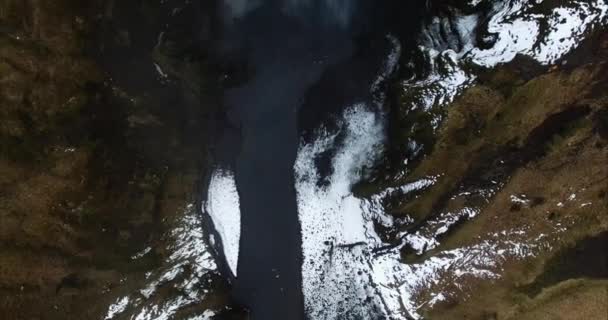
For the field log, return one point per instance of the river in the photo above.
(309, 112)
(307, 62)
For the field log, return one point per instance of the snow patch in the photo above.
(117, 308)
(546, 38)
(186, 268)
(224, 208)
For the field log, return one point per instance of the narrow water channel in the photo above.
(287, 54)
(304, 62)
(327, 195)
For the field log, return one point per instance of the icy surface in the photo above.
(224, 208)
(332, 220)
(346, 272)
(513, 27)
(117, 308)
(335, 230)
(567, 25)
(207, 315)
(519, 30)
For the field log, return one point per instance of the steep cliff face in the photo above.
(92, 170)
(526, 152)
(518, 158)
(495, 192)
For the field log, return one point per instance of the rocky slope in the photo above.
(513, 218)
(495, 186)
(94, 173)
(526, 152)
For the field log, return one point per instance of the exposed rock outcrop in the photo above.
(522, 149)
(95, 165)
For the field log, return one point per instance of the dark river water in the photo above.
(306, 242)
(304, 62)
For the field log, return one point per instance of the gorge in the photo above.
(303, 159)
